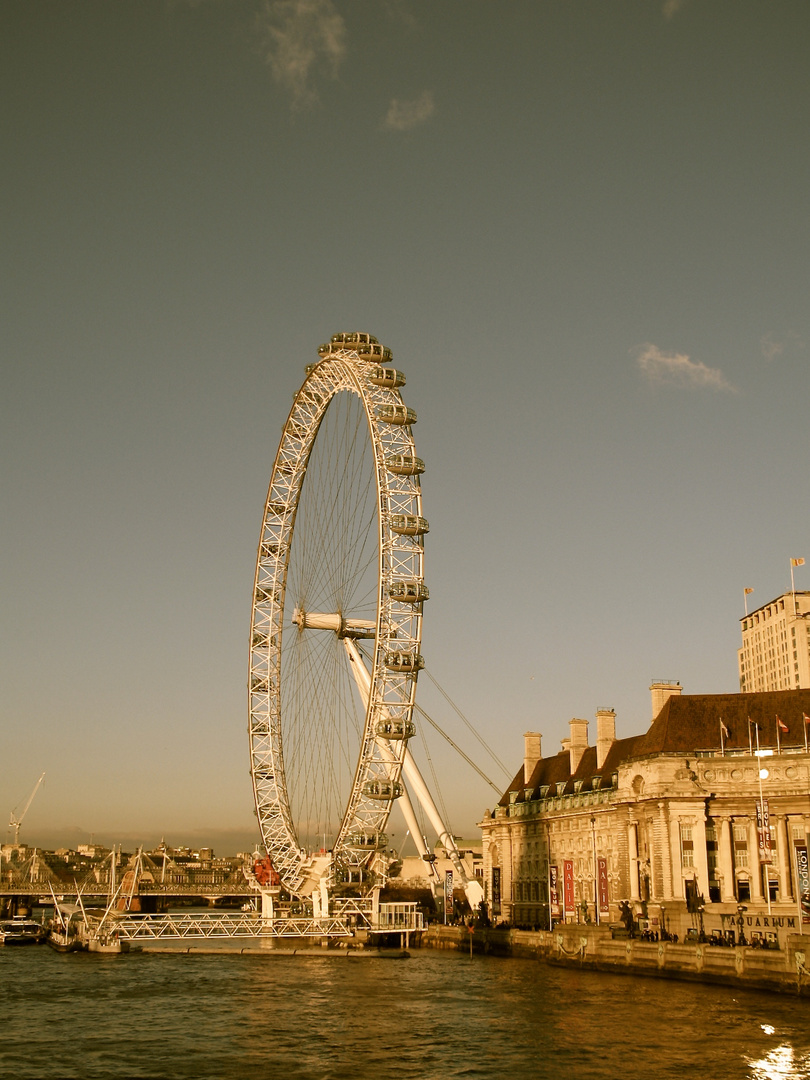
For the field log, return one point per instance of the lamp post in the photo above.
(761, 832)
(595, 874)
(740, 922)
(663, 923)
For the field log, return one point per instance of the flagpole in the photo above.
(778, 739)
(750, 747)
(761, 833)
(722, 741)
(805, 719)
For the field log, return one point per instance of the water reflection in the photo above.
(780, 1063)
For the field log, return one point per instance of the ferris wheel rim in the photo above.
(397, 632)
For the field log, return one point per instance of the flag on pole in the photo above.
(797, 562)
(806, 718)
(723, 732)
(747, 592)
(782, 727)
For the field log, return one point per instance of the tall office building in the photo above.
(775, 653)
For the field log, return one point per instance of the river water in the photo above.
(436, 1014)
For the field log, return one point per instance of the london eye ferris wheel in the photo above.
(337, 622)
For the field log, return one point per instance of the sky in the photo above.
(583, 230)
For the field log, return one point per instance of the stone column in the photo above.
(677, 862)
(700, 855)
(783, 845)
(725, 858)
(665, 891)
(754, 868)
(632, 851)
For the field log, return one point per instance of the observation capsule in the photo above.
(395, 729)
(401, 660)
(408, 592)
(387, 377)
(409, 524)
(396, 414)
(382, 789)
(371, 841)
(267, 595)
(405, 465)
(375, 352)
(270, 549)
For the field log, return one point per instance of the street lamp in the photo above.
(740, 934)
(595, 875)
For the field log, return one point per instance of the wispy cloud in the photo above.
(773, 347)
(677, 369)
(672, 7)
(404, 115)
(297, 36)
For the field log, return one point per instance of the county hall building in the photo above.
(698, 825)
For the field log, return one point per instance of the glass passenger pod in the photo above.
(409, 524)
(400, 660)
(396, 414)
(387, 377)
(408, 592)
(395, 729)
(382, 789)
(405, 465)
(376, 352)
(276, 509)
(266, 595)
(260, 684)
(270, 549)
(348, 340)
(371, 841)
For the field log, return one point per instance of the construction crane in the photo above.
(16, 822)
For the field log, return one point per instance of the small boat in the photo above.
(19, 931)
(65, 934)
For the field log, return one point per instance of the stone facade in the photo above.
(664, 822)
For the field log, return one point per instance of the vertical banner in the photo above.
(568, 888)
(496, 890)
(764, 832)
(448, 895)
(602, 885)
(803, 882)
(554, 891)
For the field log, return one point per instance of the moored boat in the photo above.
(19, 931)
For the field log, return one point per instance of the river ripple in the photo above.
(435, 1015)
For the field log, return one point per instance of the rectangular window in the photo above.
(687, 848)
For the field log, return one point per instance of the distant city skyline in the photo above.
(583, 231)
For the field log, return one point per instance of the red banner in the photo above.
(568, 888)
(602, 886)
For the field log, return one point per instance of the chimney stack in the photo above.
(578, 743)
(661, 692)
(531, 754)
(605, 734)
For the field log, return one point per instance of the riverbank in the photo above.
(781, 971)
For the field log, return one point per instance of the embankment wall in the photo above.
(593, 947)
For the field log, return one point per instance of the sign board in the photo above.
(602, 885)
(554, 891)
